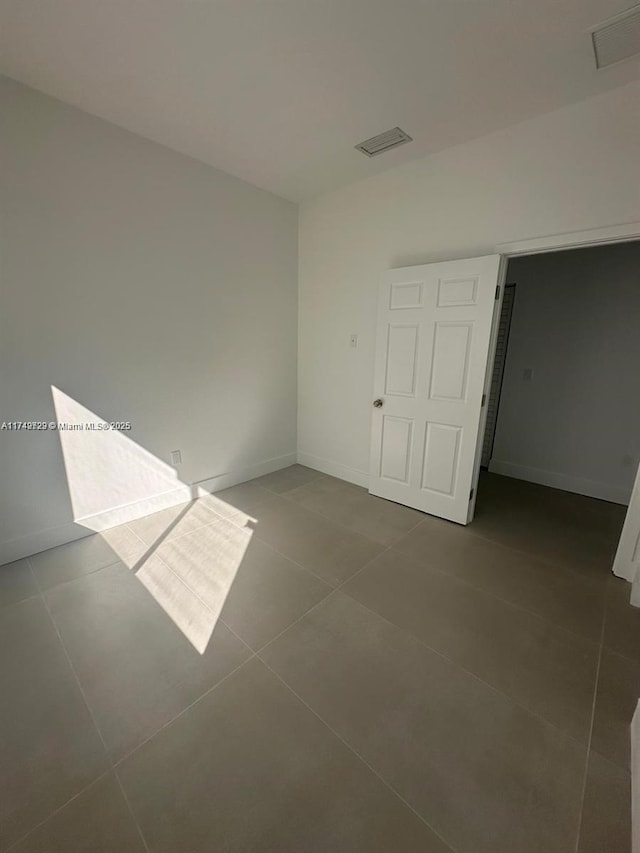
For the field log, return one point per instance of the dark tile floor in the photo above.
(295, 665)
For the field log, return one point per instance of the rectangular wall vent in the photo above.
(383, 142)
(617, 39)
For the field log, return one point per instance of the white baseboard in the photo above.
(33, 543)
(590, 488)
(225, 481)
(334, 469)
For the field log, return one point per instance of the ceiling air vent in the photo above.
(383, 142)
(617, 39)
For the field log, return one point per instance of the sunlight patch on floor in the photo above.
(185, 555)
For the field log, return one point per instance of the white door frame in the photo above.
(572, 240)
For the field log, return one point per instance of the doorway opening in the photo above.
(563, 422)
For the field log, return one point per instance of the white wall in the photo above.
(147, 287)
(576, 423)
(574, 169)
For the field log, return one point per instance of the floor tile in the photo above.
(287, 479)
(49, 746)
(316, 543)
(97, 821)
(622, 621)
(257, 591)
(562, 596)
(616, 700)
(136, 667)
(484, 773)
(175, 521)
(75, 559)
(562, 528)
(268, 593)
(250, 768)
(581, 549)
(16, 582)
(606, 812)
(208, 559)
(545, 668)
(182, 605)
(353, 507)
(240, 502)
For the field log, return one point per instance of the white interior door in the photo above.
(435, 337)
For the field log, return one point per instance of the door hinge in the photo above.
(484, 400)
(471, 494)
(497, 291)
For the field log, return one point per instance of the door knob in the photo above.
(378, 403)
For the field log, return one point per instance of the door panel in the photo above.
(440, 463)
(450, 363)
(402, 354)
(433, 340)
(396, 448)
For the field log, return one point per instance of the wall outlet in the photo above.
(176, 457)
(353, 340)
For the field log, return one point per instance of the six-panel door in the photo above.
(433, 339)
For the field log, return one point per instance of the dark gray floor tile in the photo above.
(559, 527)
(136, 667)
(574, 550)
(622, 621)
(316, 543)
(606, 813)
(616, 699)
(75, 559)
(486, 774)
(250, 768)
(545, 668)
(287, 479)
(268, 593)
(49, 746)
(562, 596)
(97, 821)
(16, 582)
(353, 507)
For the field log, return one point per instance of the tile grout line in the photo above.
(113, 766)
(253, 654)
(184, 710)
(617, 654)
(468, 672)
(425, 645)
(356, 754)
(332, 590)
(426, 516)
(91, 715)
(575, 575)
(493, 595)
(286, 496)
(593, 716)
(57, 811)
(295, 622)
(420, 640)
